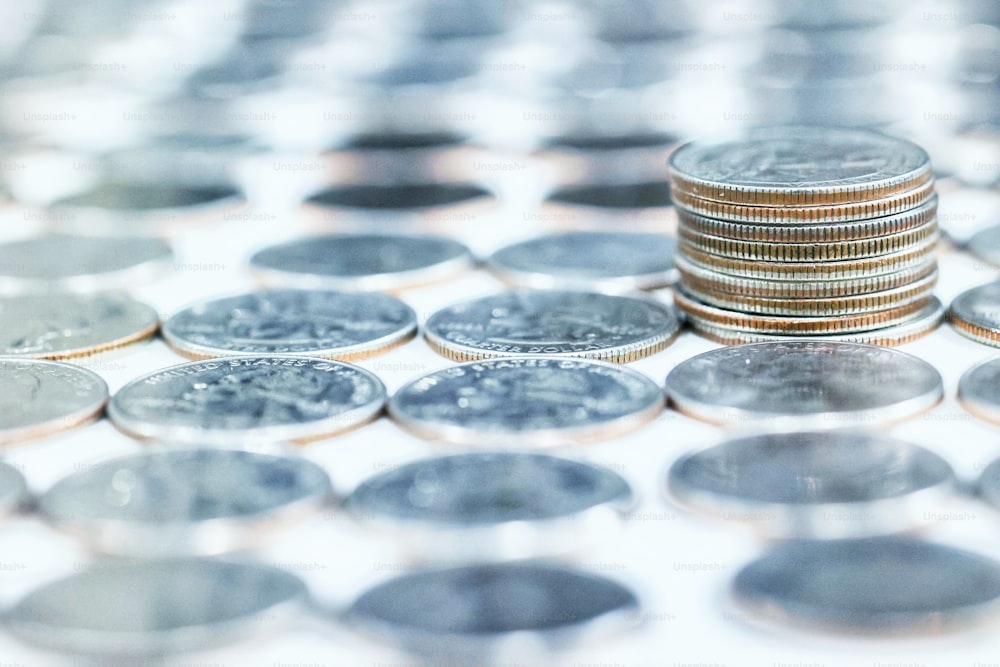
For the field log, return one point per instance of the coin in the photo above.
(815, 485)
(652, 194)
(802, 166)
(975, 313)
(13, 489)
(493, 506)
(360, 261)
(588, 260)
(397, 197)
(985, 244)
(38, 398)
(80, 263)
(979, 390)
(526, 402)
(184, 502)
(843, 586)
(466, 615)
(252, 399)
(156, 607)
(804, 385)
(532, 322)
(63, 325)
(341, 325)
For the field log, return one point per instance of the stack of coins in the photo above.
(807, 232)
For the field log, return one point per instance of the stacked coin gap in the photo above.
(806, 232)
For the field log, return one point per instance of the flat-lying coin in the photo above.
(157, 607)
(42, 397)
(828, 485)
(872, 586)
(360, 261)
(341, 325)
(979, 390)
(184, 502)
(526, 402)
(533, 322)
(804, 385)
(13, 489)
(243, 400)
(989, 484)
(615, 196)
(975, 313)
(396, 197)
(588, 260)
(80, 263)
(985, 244)
(467, 615)
(493, 506)
(63, 325)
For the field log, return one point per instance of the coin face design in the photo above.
(38, 398)
(975, 313)
(532, 322)
(342, 325)
(841, 586)
(184, 501)
(807, 384)
(360, 261)
(525, 401)
(62, 325)
(248, 399)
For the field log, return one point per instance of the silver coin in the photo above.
(979, 390)
(80, 263)
(184, 502)
(871, 586)
(38, 398)
(975, 313)
(360, 261)
(814, 485)
(588, 260)
(985, 244)
(62, 325)
(242, 400)
(532, 322)
(804, 385)
(398, 196)
(144, 197)
(342, 325)
(466, 615)
(157, 607)
(654, 194)
(13, 489)
(526, 401)
(493, 506)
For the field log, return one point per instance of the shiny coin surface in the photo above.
(80, 263)
(341, 325)
(804, 385)
(62, 325)
(13, 489)
(243, 400)
(157, 607)
(871, 586)
(184, 502)
(800, 167)
(38, 398)
(494, 506)
(815, 485)
(526, 401)
(361, 261)
(532, 322)
(464, 615)
(979, 390)
(975, 313)
(588, 260)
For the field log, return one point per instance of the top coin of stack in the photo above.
(807, 232)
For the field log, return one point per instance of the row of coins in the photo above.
(801, 232)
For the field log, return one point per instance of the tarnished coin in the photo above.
(493, 506)
(532, 322)
(985, 244)
(62, 325)
(468, 615)
(132, 609)
(979, 390)
(13, 489)
(870, 586)
(815, 485)
(184, 502)
(360, 261)
(976, 314)
(80, 263)
(242, 400)
(800, 166)
(526, 402)
(804, 385)
(341, 325)
(599, 261)
(42, 397)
